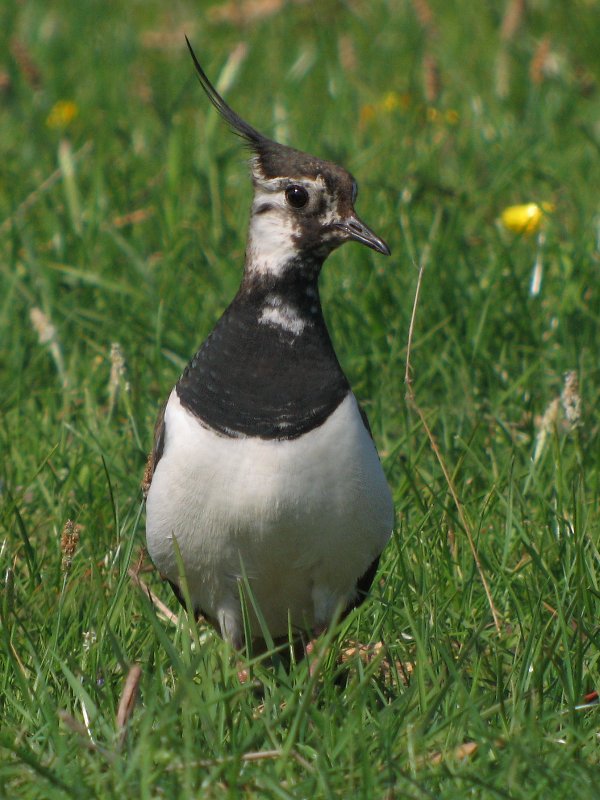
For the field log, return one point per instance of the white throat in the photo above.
(271, 243)
(279, 314)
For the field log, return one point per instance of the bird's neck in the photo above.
(270, 246)
(281, 277)
(288, 301)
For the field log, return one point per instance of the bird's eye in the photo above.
(297, 196)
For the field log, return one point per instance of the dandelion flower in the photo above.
(367, 113)
(391, 102)
(62, 114)
(526, 218)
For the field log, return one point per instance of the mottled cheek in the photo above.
(322, 206)
(307, 238)
(263, 208)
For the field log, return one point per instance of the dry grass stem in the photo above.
(133, 217)
(462, 751)
(117, 376)
(502, 73)
(128, 700)
(241, 12)
(229, 72)
(513, 17)
(86, 719)
(168, 39)
(511, 22)
(425, 16)
(162, 609)
(411, 400)
(539, 63)
(5, 82)
(347, 53)
(376, 652)
(76, 726)
(572, 623)
(33, 198)
(256, 755)
(538, 267)
(548, 423)
(569, 403)
(82, 735)
(22, 668)
(24, 61)
(432, 82)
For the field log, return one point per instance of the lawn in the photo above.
(472, 670)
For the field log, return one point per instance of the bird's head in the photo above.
(303, 207)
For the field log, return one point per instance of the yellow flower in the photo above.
(62, 114)
(526, 218)
(392, 101)
(367, 113)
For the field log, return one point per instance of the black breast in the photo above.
(256, 379)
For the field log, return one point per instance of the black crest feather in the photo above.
(255, 139)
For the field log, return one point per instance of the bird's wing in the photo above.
(156, 452)
(365, 419)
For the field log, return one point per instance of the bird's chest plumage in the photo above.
(302, 518)
(268, 369)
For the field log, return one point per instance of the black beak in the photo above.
(357, 230)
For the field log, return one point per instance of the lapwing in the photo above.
(264, 473)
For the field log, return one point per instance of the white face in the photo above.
(281, 208)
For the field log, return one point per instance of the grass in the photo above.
(126, 225)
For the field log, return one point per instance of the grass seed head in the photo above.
(118, 373)
(571, 399)
(68, 543)
(42, 326)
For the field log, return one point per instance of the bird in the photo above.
(264, 478)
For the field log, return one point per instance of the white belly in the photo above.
(303, 518)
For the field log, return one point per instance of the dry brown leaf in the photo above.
(462, 751)
(164, 610)
(128, 698)
(572, 623)
(511, 22)
(368, 653)
(240, 12)
(133, 217)
(425, 16)
(27, 66)
(171, 39)
(537, 68)
(432, 82)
